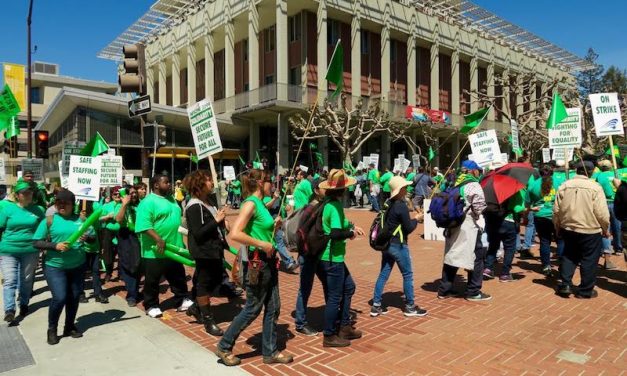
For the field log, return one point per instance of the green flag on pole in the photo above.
(257, 159)
(241, 160)
(257, 166)
(194, 158)
(558, 112)
(96, 146)
(335, 71)
(431, 154)
(13, 129)
(9, 106)
(474, 120)
(616, 151)
(319, 158)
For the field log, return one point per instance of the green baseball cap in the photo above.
(22, 185)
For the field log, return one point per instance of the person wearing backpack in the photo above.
(397, 220)
(337, 278)
(463, 247)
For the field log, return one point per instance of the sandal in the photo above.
(228, 358)
(279, 358)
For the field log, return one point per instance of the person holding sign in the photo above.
(18, 257)
(110, 230)
(128, 244)
(64, 264)
(253, 228)
(158, 222)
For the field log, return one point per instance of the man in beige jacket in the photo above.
(581, 218)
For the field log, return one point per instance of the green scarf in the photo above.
(466, 178)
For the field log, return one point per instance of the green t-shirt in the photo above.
(373, 176)
(60, 230)
(605, 179)
(261, 225)
(236, 187)
(161, 214)
(410, 178)
(302, 194)
(333, 217)
(130, 216)
(622, 174)
(111, 207)
(545, 202)
(385, 181)
(19, 225)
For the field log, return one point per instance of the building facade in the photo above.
(261, 61)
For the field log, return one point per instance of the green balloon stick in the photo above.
(93, 218)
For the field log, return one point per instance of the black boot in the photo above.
(195, 312)
(53, 338)
(210, 324)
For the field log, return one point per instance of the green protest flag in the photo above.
(319, 158)
(431, 153)
(5, 122)
(13, 129)
(242, 161)
(349, 167)
(335, 71)
(616, 151)
(194, 158)
(474, 120)
(257, 159)
(257, 166)
(558, 112)
(96, 146)
(313, 146)
(8, 104)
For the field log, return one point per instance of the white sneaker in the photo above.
(154, 312)
(185, 305)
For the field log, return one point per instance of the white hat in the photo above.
(396, 184)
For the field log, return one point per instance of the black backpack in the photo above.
(311, 241)
(380, 234)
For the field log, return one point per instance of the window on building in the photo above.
(333, 32)
(269, 79)
(393, 50)
(269, 39)
(294, 77)
(365, 42)
(294, 26)
(245, 47)
(36, 95)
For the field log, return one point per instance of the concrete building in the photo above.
(261, 61)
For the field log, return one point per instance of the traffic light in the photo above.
(133, 80)
(41, 139)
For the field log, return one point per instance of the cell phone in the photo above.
(122, 192)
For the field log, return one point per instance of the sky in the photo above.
(71, 32)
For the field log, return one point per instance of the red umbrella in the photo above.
(503, 183)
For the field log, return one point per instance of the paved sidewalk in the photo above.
(117, 339)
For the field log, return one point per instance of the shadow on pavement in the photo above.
(95, 319)
(283, 336)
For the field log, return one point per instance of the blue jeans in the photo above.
(340, 290)
(500, 230)
(546, 232)
(265, 293)
(374, 201)
(92, 262)
(66, 285)
(308, 270)
(615, 230)
(18, 272)
(530, 231)
(396, 253)
(286, 257)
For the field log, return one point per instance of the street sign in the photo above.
(139, 106)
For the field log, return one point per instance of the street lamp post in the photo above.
(29, 128)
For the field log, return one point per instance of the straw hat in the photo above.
(337, 180)
(605, 164)
(396, 184)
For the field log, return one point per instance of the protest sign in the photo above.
(303, 168)
(515, 139)
(62, 177)
(70, 148)
(129, 179)
(110, 171)
(204, 127)
(84, 177)
(36, 166)
(374, 158)
(229, 173)
(360, 166)
(397, 165)
(405, 163)
(366, 161)
(546, 155)
(3, 176)
(558, 154)
(485, 146)
(568, 132)
(606, 114)
(415, 159)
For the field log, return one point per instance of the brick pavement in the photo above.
(524, 329)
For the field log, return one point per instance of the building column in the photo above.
(162, 79)
(355, 58)
(253, 140)
(176, 79)
(455, 140)
(519, 97)
(385, 64)
(191, 74)
(455, 86)
(385, 159)
(506, 91)
(474, 82)
(209, 76)
(490, 89)
(435, 77)
(150, 82)
(229, 60)
(282, 66)
(533, 105)
(283, 143)
(253, 52)
(411, 71)
(322, 48)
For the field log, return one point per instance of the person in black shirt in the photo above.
(620, 210)
(396, 218)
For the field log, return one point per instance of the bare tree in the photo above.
(348, 128)
(412, 132)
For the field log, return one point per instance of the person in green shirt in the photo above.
(339, 283)
(93, 262)
(605, 178)
(236, 188)
(410, 178)
(109, 231)
(373, 188)
(385, 186)
(157, 223)
(254, 228)
(303, 191)
(18, 257)
(269, 200)
(64, 264)
(129, 252)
